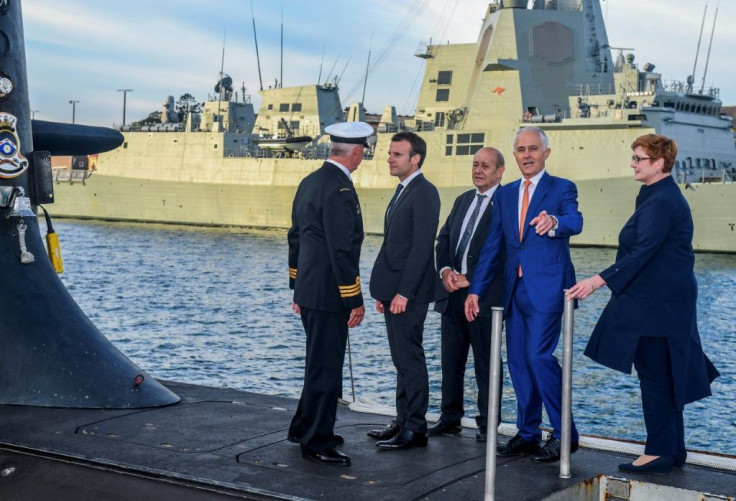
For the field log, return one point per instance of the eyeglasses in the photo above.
(636, 159)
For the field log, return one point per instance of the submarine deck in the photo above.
(223, 444)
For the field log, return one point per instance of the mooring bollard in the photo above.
(493, 397)
(566, 432)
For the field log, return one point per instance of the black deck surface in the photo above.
(225, 444)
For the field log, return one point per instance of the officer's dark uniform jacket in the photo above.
(324, 242)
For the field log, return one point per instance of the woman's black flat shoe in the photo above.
(679, 459)
(660, 466)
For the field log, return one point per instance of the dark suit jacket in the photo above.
(448, 239)
(324, 242)
(655, 292)
(405, 262)
(545, 260)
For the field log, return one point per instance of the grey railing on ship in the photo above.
(566, 432)
(494, 395)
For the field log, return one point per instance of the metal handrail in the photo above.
(493, 398)
(494, 395)
(566, 431)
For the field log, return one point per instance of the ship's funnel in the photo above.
(50, 353)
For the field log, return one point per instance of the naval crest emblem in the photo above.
(12, 163)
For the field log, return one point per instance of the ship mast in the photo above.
(691, 80)
(319, 77)
(710, 44)
(281, 77)
(367, 67)
(219, 94)
(258, 58)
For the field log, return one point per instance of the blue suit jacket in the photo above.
(545, 260)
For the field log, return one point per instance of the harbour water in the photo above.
(211, 306)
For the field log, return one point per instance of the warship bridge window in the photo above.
(444, 78)
(284, 107)
(296, 106)
(466, 144)
(443, 95)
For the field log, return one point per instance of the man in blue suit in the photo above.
(533, 220)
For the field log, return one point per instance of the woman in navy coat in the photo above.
(651, 319)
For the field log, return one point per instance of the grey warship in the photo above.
(549, 65)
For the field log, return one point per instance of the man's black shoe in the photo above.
(482, 434)
(444, 428)
(387, 433)
(403, 440)
(551, 451)
(329, 457)
(294, 439)
(516, 446)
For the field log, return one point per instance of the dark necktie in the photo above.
(393, 200)
(465, 239)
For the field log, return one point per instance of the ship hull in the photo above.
(606, 205)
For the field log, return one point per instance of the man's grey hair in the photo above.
(342, 149)
(542, 136)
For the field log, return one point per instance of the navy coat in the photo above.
(654, 292)
(324, 242)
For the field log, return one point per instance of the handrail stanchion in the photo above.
(566, 432)
(493, 397)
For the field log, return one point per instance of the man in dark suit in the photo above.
(404, 281)
(458, 247)
(533, 222)
(324, 252)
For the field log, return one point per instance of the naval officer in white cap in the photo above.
(324, 252)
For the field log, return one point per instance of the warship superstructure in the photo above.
(548, 65)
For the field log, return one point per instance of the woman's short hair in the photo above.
(658, 146)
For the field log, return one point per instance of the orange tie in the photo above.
(524, 208)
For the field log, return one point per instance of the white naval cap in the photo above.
(349, 132)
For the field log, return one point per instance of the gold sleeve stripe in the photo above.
(350, 290)
(292, 272)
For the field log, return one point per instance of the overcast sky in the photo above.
(85, 50)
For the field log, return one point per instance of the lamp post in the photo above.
(125, 95)
(33, 114)
(74, 109)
